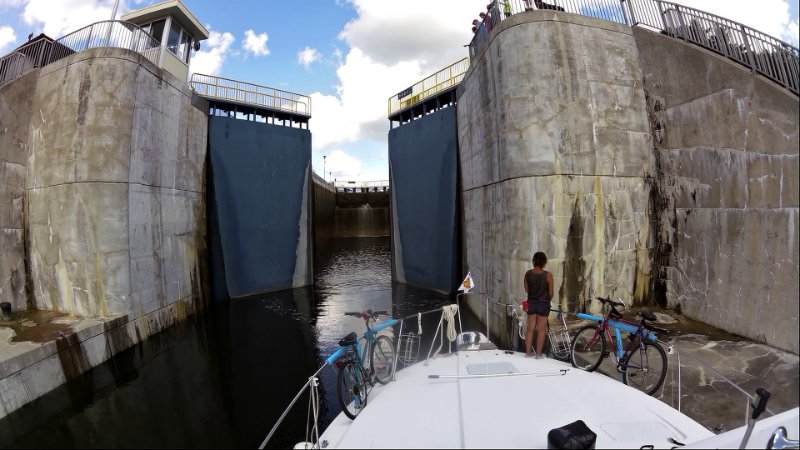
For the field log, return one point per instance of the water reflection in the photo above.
(221, 379)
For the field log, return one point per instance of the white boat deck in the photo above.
(506, 410)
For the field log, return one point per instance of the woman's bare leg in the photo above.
(541, 333)
(529, 334)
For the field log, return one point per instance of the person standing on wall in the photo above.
(539, 287)
(507, 8)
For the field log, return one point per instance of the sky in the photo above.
(349, 56)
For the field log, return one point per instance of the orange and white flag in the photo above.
(467, 284)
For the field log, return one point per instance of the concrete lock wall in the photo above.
(362, 213)
(262, 189)
(102, 159)
(727, 146)
(15, 117)
(555, 155)
(324, 209)
(422, 171)
(114, 188)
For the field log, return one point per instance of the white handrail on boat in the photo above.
(313, 380)
(312, 383)
(448, 314)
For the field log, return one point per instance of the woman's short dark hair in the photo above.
(539, 259)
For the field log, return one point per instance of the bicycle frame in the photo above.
(361, 353)
(370, 337)
(616, 341)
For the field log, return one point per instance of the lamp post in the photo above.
(111, 24)
(114, 11)
(323, 166)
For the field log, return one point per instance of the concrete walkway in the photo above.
(41, 350)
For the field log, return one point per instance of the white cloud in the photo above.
(308, 56)
(209, 59)
(342, 166)
(7, 37)
(360, 106)
(57, 18)
(791, 33)
(392, 46)
(256, 43)
(430, 33)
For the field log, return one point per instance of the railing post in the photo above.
(661, 15)
(778, 59)
(108, 34)
(627, 12)
(487, 317)
(750, 57)
(682, 28)
(722, 40)
(679, 380)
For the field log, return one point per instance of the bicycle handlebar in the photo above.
(649, 326)
(368, 314)
(610, 301)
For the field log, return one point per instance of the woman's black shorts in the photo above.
(539, 308)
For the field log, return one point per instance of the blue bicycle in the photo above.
(643, 364)
(359, 366)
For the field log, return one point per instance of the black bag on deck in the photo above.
(574, 435)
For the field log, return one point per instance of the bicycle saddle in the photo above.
(647, 315)
(348, 340)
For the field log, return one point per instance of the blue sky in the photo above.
(349, 56)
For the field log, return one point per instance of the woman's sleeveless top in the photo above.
(537, 286)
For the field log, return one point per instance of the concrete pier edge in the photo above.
(29, 370)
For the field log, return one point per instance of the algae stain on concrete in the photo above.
(599, 248)
(574, 280)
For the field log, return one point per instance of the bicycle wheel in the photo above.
(588, 348)
(646, 368)
(383, 359)
(351, 388)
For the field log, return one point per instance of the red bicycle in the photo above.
(643, 364)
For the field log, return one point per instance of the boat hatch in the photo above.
(494, 368)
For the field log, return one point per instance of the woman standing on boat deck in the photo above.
(539, 287)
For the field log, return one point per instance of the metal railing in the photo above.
(763, 54)
(23, 59)
(225, 89)
(442, 80)
(503, 9)
(108, 33)
(362, 186)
